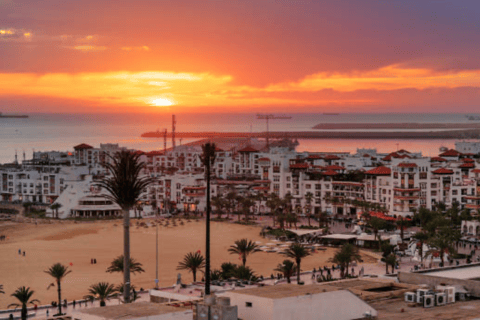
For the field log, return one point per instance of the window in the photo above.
(454, 192)
(248, 304)
(179, 186)
(318, 186)
(395, 175)
(288, 178)
(423, 175)
(308, 186)
(289, 185)
(434, 193)
(433, 185)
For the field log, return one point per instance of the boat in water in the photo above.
(13, 115)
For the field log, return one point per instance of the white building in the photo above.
(293, 302)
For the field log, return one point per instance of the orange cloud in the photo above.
(392, 77)
(191, 90)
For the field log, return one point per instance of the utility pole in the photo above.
(156, 269)
(173, 131)
(165, 141)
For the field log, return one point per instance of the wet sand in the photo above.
(67, 242)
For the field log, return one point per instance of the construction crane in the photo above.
(268, 117)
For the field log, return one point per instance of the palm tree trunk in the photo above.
(207, 233)
(126, 255)
(59, 290)
(194, 272)
(24, 311)
(386, 267)
(244, 260)
(298, 271)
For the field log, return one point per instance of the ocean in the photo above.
(44, 132)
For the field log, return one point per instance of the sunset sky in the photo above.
(239, 56)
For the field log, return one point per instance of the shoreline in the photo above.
(409, 125)
(457, 134)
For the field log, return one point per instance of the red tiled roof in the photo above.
(467, 165)
(139, 152)
(437, 159)
(334, 167)
(403, 151)
(476, 171)
(299, 166)
(468, 160)
(314, 156)
(366, 155)
(407, 165)
(155, 153)
(330, 173)
(217, 149)
(443, 171)
(450, 153)
(404, 156)
(248, 149)
(387, 158)
(264, 159)
(379, 171)
(332, 157)
(83, 146)
(394, 154)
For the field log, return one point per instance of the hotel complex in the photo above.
(397, 183)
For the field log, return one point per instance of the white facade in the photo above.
(308, 306)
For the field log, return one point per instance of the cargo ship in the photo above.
(13, 115)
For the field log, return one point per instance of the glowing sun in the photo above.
(161, 102)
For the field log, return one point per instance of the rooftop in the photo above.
(132, 310)
(286, 291)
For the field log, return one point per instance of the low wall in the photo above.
(472, 286)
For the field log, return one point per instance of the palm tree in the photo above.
(133, 293)
(227, 269)
(287, 268)
(117, 265)
(308, 199)
(391, 260)
(402, 223)
(55, 208)
(208, 159)
(273, 202)
(244, 273)
(192, 262)
(247, 203)
(125, 187)
(376, 224)
(344, 256)
(322, 218)
(23, 295)
(297, 251)
(244, 247)
(443, 241)
(102, 291)
(58, 271)
(230, 203)
(422, 237)
(219, 203)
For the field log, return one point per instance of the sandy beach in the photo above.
(77, 243)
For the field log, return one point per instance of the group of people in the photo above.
(20, 252)
(93, 261)
(3, 237)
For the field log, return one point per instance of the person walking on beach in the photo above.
(24, 253)
(73, 303)
(48, 313)
(20, 251)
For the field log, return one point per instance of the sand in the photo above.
(78, 243)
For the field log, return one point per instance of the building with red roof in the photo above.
(450, 153)
(443, 171)
(379, 171)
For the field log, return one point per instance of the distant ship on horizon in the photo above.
(13, 115)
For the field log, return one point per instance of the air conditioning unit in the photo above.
(460, 296)
(410, 297)
(420, 294)
(428, 301)
(441, 299)
(449, 291)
